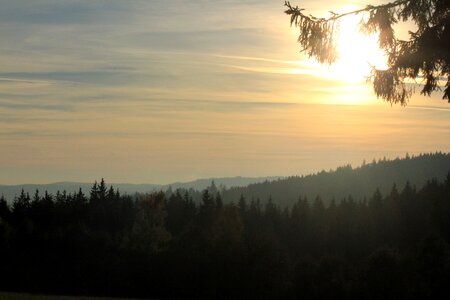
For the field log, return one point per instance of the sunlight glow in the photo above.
(357, 53)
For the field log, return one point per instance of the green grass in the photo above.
(23, 296)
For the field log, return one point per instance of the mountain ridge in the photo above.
(359, 183)
(11, 191)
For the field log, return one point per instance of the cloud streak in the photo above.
(154, 91)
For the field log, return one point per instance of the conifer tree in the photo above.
(21, 204)
(242, 204)
(102, 190)
(4, 208)
(425, 56)
(94, 192)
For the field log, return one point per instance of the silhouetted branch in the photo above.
(425, 55)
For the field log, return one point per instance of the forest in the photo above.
(169, 245)
(359, 181)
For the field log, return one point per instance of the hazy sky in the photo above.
(171, 90)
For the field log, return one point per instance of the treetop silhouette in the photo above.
(425, 56)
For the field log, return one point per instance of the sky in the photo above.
(160, 91)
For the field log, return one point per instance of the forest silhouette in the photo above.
(169, 245)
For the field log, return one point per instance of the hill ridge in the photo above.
(358, 182)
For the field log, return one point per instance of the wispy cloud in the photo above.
(166, 90)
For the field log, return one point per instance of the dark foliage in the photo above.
(424, 56)
(345, 180)
(168, 245)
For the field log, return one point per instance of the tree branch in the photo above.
(297, 12)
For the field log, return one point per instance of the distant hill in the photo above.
(10, 191)
(225, 182)
(359, 182)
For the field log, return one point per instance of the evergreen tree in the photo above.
(242, 204)
(94, 193)
(207, 210)
(102, 190)
(4, 209)
(36, 197)
(21, 204)
(219, 202)
(425, 55)
(149, 232)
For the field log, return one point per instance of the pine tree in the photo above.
(242, 204)
(426, 55)
(111, 194)
(21, 204)
(219, 202)
(36, 197)
(94, 193)
(102, 190)
(4, 209)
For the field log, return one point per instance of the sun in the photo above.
(357, 52)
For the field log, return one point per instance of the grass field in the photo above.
(21, 296)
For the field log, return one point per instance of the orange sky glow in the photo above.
(164, 91)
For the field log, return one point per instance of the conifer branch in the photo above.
(425, 55)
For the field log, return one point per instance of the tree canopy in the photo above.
(163, 245)
(424, 58)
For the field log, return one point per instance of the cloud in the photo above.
(434, 108)
(136, 89)
(28, 106)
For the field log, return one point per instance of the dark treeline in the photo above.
(168, 245)
(345, 180)
(357, 181)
